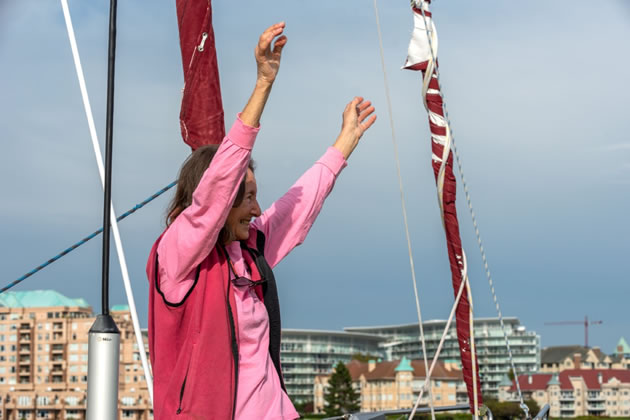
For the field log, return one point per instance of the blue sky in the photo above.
(537, 97)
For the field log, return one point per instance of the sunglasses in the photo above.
(244, 281)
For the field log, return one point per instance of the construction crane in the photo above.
(586, 323)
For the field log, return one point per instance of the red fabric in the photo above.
(453, 241)
(190, 344)
(201, 116)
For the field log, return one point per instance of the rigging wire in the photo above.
(474, 220)
(402, 199)
(86, 239)
(114, 225)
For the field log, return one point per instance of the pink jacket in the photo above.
(193, 323)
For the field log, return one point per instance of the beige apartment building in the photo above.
(44, 358)
(575, 392)
(559, 358)
(396, 385)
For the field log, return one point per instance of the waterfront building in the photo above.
(576, 392)
(44, 358)
(558, 358)
(493, 358)
(396, 385)
(308, 353)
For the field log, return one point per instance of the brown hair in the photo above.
(190, 174)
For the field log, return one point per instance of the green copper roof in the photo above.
(505, 381)
(120, 308)
(38, 299)
(622, 347)
(554, 380)
(404, 366)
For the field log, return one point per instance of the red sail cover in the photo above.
(201, 116)
(420, 58)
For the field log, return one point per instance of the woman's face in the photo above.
(240, 217)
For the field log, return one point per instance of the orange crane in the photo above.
(586, 323)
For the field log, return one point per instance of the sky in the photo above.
(537, 96)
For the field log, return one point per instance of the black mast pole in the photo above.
(109, 128)
(104, 336)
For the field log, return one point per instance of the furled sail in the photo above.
(422, 56)
(201, 116)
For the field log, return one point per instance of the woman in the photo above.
(214, 319)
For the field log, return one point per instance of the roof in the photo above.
(291, 331)
(622, 347)
(505, 381)
(387, 370)
(404, 365)
(557, 354)
(39, 299)
(120, 308)
(433, 321)
(554, 380)
(589, 376)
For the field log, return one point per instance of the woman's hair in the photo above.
(189, 176)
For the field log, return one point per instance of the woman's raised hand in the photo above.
(268, 58)
(357, 118)
(267, 63)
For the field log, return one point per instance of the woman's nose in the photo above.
(256, 210)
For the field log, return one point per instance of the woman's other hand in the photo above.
(268, 58)
(357, 118)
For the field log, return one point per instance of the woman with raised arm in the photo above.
(214, 317)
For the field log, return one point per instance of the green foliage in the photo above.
(304, 408)
(511, 375)
(533, 406)
(509, 410)
(340, 397)
(364, 357)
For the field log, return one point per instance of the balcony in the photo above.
(567, 397)
(595, 397)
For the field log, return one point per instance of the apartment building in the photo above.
(494, 362)
(576, 392)
(558, 358)
(308, 353)
(44, 358)
(396, 385)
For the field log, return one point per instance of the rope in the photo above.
(114, 225)
(402, 199)
(86, 239)
(440, 345)
(472, 213)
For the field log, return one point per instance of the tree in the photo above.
(533, 406)
(364, 357)
(340, 397)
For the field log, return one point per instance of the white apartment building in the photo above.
(404, 341)
(308, 353)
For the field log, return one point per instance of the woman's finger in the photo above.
(269, 34)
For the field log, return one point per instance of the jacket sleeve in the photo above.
(287, 222)
(193, 234)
